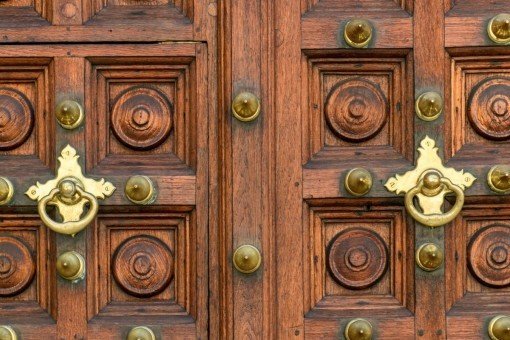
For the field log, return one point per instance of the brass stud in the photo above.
(247, 259)
(141, 333)
(358, 182)
(7, 333)
(69, 114)
(140, 190)
(499, 328)
(498, 179)
(246, 107)
(71, 266)
(358, 33)
(6, 191)
(429, 257)
(429, 106)
(358, 329)
(499, 29)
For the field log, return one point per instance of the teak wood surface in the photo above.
(156, 79)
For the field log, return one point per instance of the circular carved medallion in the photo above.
(357, 258)
(356, 109)
(489, 255)
(17, 267)
(16, 118)
(489, 108)
(141, 117)
(143, 266)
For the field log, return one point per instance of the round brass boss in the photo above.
(358, 182)
(247, 259)
(140, 190)
(358, 329)
(499, 328)
(69, 114)
(429, 106)
(498, 179)
(246, 107)
(7, 333)
(6, 191)
(429, 257)
(499, 29)
(358, 33)
(71, 266)
(141, 333)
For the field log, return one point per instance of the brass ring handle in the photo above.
(70, 227)
(435, 220)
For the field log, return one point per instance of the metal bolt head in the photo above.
(69, 114)
(429, 106)
(499, 328)
(429, 257)
(247, 259)
(140, 190)
(358, 33)
(141, 333)
(498, 29)
(358, 182)
(71, 266)
(246, 107)
(358, 329)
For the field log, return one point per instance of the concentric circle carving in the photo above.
(17, 267)
(141, 117)
(143, 266)
(356, 109)
(489, 255)
(489, 108)
(16, 118)
(357, 258)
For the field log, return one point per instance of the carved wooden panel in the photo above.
(478, 259)
(25, 128)
(143, 113)
(359, 102)
(24, 263)
(30, 10)
(481, 103)
(144, 259)
(138, 10)
(358, 255)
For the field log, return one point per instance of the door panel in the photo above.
(145, 264)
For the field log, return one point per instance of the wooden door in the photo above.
(340, 107)
(144, 75)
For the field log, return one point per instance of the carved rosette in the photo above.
(356, 109)
(489, 255)
(143, 266)
(488, 108)
(16, 118)
(141, 117)
(357, 258)
(17, 267)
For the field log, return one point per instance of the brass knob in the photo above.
(499, 29)
(7, 333)
(358, 329)
(429, 106)
(358, 182)
(140, 190)
(6, 191)
(141, 333)
(246, 107)
(71, 266)
(429, 257)
(498, 179)
(69, 114)
(247, 259)
(358, 33)
(499, 328)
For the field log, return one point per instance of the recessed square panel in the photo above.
(25, 126)
(142, 113)
(24, 277)
(358, 255)
(356, 103)
(144, 261)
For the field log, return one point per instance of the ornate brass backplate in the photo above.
(430, 181)
(69, 192)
